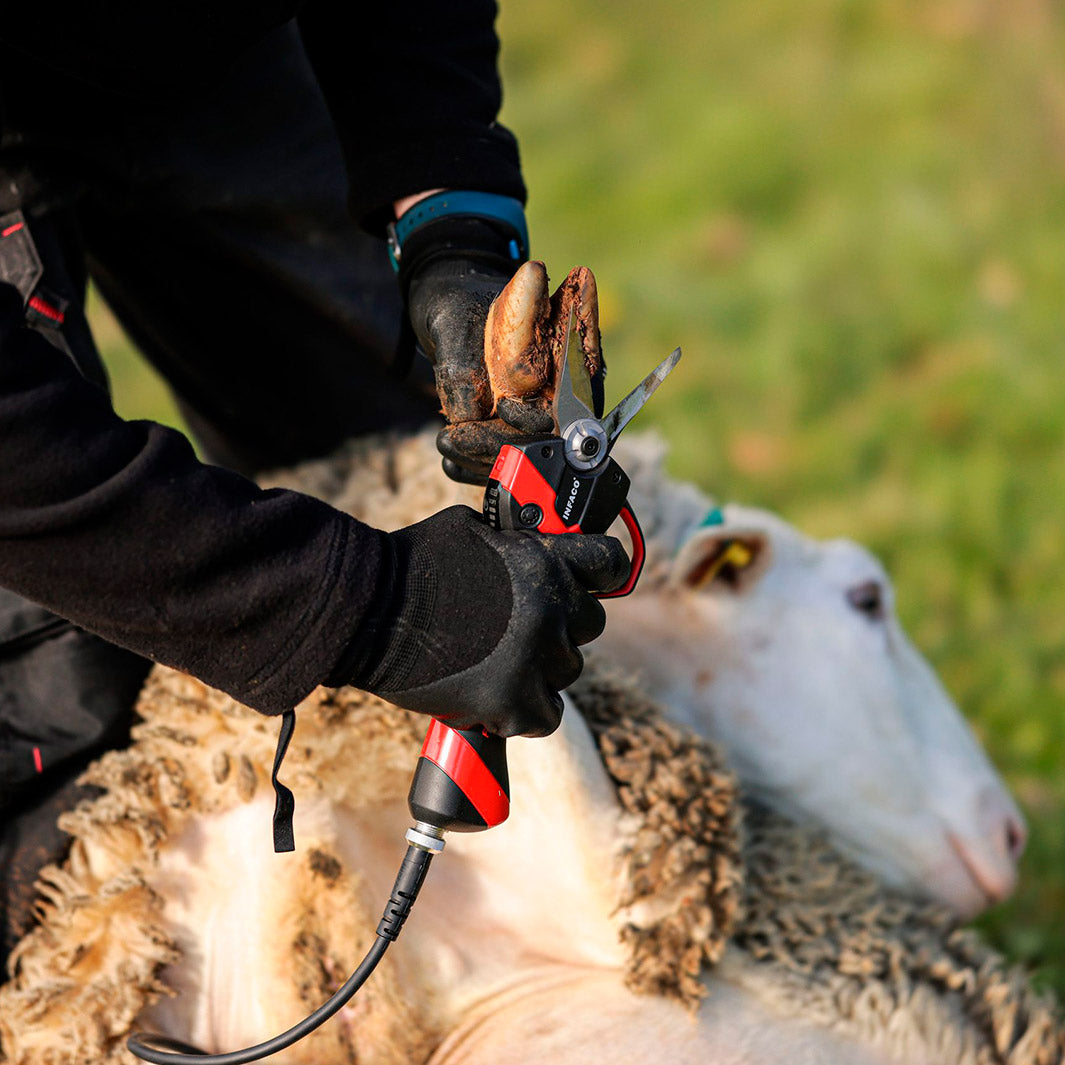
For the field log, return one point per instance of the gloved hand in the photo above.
(451, 272)
(480, 627)
(494, 335)
(454, 252)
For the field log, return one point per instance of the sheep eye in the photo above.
(868, 599)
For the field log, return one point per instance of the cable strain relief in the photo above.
(404, 892)
(427, 837)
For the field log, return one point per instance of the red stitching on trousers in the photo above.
(47, 310)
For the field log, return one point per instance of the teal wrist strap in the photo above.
(454, 204)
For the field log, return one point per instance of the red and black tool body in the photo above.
(532, 488)
(559, 484)
(460, 783)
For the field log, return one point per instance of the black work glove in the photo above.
(480, 627)
(450, 273)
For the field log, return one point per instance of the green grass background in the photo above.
(851, 215)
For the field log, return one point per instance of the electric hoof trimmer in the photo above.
(565, 483)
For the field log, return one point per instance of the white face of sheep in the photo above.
(797, 665)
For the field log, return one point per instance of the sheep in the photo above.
(804, 947)
(650, 861)
(802, 625)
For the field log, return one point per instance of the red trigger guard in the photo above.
(638, 552)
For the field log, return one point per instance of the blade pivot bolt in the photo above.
(585, 442)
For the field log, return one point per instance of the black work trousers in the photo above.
(216, 229)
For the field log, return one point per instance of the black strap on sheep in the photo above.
(284, 802)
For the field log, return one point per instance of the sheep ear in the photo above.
(719, 557)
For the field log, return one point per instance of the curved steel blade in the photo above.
(626, 410)
(573, 389)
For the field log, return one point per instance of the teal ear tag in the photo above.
(715, 517)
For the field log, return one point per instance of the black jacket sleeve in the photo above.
(414, 92)
(117, 526)
(412, 84)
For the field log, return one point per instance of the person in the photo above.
(226, 174)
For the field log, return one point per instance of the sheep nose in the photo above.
(992, 852)
(1016, 837)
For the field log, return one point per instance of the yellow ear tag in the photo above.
(735, 553)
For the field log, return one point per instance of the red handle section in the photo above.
(449, 749)
(639, 551)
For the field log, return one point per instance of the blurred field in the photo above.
(852, 217)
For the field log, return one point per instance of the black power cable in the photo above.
(162, 1050)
